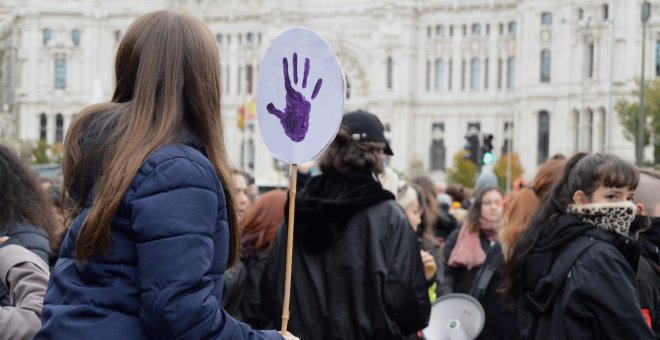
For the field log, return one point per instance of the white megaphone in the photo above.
(455, 317)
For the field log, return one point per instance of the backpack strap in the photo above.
(491, 265)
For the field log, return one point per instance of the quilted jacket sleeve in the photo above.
(174, 216)
(27, 277)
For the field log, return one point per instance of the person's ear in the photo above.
(640, 209)
(580, 198)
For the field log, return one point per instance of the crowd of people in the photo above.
(151, 234)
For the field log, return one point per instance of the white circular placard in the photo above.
(300, 96)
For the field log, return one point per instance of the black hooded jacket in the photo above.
(357, 269)
(580, 284)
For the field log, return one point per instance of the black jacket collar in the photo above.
(329, 201)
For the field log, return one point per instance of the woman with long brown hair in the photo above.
(466, 247)
(517, 215)
(155, 218)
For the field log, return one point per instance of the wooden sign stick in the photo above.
(289, 247)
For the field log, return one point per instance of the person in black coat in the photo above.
(517, 214)
(646, 229)
(262, 221)
(572, 272)
(357, 271)
(25, 211)
(466, 247)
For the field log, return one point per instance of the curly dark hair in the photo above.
(23, 199)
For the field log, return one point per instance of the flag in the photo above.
(240, 117)
(251, 110)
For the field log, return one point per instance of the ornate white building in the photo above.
(544, 74)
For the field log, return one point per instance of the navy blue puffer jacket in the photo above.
(163, 275)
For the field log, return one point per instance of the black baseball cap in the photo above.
(365, 126)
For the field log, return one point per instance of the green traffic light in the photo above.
(488, 158)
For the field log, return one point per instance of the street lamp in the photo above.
(608, 116)
(639, 148)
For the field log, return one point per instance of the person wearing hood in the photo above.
(646, 229)
(571, 273)
(357, 270)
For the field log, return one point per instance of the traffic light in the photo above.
(488, 157)
(472, 148)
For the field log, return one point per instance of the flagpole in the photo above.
(289, 247)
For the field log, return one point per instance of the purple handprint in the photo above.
(295, 118)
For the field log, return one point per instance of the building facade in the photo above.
(541, 76)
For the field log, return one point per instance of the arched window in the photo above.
(486, 63)
(590, 60)
(546, 19)
(439, 73)
(428, 75)
(545, 66)
(239, 86)
(576, 130)
(59, 128)
(544, 137)
(47, 34)
(248, 78)
(590, 130)
(450, 67)
(390, 70)
(439, 30)
(475, 74)
(60, 73)
(438, 149)
(512, 28)
(75, 37)
(43, 126)
(511, 76)
(476, 29)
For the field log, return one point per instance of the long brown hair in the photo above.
(262, 221)
(431, 209)
(168, 78)
(520, 210)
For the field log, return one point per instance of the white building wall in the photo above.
(364, 33)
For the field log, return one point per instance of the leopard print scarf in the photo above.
(614, 217)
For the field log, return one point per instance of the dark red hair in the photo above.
(262, 221)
